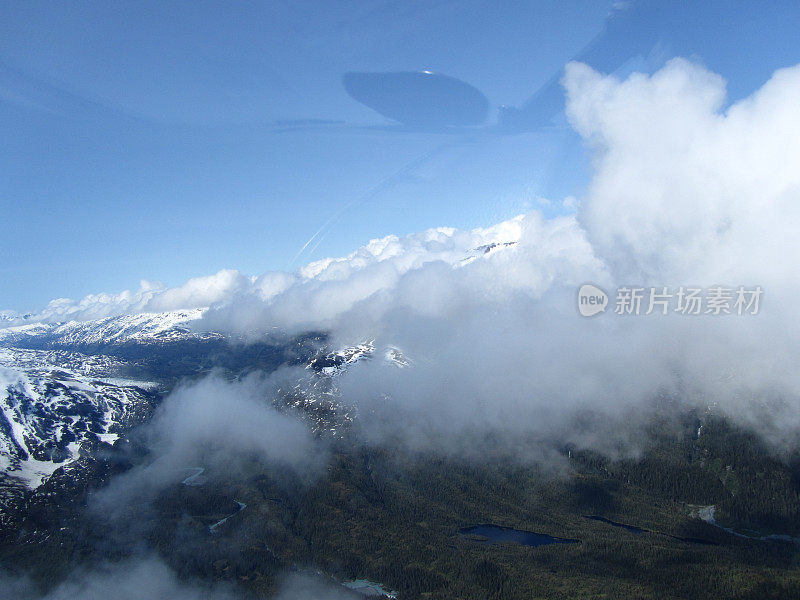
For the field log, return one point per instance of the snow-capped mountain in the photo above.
(144, 328)
(335, 362)
(55, 399)
(63, 385)
(56, 404)
(60, 389)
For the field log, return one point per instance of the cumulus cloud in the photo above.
(682, 189)
(688, 192)
(200, 292)
(431, 273)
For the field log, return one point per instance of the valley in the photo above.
(386, 519)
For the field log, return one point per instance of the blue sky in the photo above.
(143, 140)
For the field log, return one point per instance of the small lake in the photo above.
(497, 533)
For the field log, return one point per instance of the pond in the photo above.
(497, 533)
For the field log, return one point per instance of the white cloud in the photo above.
(682, 190)
(200, 292)
(218, 425)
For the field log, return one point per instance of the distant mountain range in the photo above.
(64, 386)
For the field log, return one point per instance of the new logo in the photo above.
(591, 300)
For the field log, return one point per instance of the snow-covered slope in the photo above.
(65, 384)
(57, 392)
(54, 398)
(51, 402)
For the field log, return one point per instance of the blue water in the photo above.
(496, 533)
